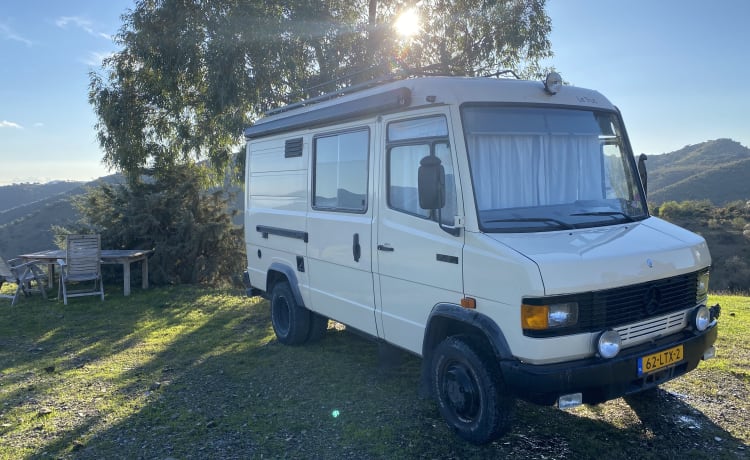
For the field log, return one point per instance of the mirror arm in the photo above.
(455, 231)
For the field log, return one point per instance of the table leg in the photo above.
(126, 278)
(51, 275)
(144, 273)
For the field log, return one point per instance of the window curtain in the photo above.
(526, 170)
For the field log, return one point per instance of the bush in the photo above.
(189, 229)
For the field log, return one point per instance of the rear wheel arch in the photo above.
(306, 326)
(278, 272)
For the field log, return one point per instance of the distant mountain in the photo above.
(15, 195)
(28, 211)
(716, 170)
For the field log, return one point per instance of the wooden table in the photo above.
(109, 256)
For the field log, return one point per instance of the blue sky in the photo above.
(677, 70)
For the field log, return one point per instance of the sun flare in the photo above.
(407, 23)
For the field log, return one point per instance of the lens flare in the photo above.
(407, 23)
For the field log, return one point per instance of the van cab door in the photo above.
(419, 264)
(339, 225)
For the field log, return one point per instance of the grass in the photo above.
(185, 372)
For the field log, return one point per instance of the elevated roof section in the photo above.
(419, 92)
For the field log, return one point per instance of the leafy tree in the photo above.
(190, 230)
(191, 74)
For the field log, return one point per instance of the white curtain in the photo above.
(524, 170)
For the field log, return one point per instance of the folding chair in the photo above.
(82, 265)
(27, 277)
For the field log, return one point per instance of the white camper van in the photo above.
(495, 227)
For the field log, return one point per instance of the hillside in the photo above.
(15, 195)
(28, 211)
(715, 170)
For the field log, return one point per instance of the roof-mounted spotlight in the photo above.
(553, 83)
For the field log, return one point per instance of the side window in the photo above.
(341, 171)
(402, 172)
(409, 141)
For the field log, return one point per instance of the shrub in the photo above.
(189, 228)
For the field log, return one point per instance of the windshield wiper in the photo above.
(612, 214)
(547, 220)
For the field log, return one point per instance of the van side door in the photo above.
(419, 264)
(339, 225)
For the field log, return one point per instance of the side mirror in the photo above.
(431, 183)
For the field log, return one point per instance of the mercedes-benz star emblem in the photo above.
(652, 300)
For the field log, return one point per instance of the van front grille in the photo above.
(634, 334)
(629, 306)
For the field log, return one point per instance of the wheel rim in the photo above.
(461, 392)
(281, 315)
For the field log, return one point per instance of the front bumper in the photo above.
(601, 379)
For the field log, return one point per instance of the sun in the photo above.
(407, 23)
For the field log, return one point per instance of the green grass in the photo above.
(186, 372)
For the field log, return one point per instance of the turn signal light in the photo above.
(469, 302)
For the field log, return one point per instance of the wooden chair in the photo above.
(26, 276)
(82, 265)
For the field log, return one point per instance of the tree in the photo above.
(189, 229)
(191, 74)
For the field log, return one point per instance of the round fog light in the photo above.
(609, 344)
(702, 318)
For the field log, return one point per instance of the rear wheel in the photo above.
(470, 392)
(291, 321)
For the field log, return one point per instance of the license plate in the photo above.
(656, 361)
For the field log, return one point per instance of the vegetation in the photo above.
(190, 231)
(191, 75)
(727, 232)
(185, 372)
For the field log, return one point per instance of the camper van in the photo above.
(497, 228)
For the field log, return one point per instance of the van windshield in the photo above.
(543, 169)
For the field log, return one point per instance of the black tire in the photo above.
(318, 327)
(470, 391)
(291, 321)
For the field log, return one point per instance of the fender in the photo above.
(450, 319)
(288, 272)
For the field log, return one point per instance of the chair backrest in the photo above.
(5, 271)
(84, 253)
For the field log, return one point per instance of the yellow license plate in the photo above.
(651, 363)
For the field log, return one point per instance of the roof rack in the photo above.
(334, 94)
(393, 76)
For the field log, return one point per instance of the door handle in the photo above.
(383, 247)
(356, 249)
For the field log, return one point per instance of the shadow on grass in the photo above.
(185, 373)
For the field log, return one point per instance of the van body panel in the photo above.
(419, 265)
(605, 257)
(340, 286)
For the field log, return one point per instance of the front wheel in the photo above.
(291, 321)
(470, 392)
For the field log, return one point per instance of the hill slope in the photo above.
(15, 195)
(714, 170)
(26, 226)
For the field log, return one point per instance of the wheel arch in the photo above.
(447, 320)
(277, 272)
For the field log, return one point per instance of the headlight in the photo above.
(609, 344)
(552, 316)
(701, 292)
(702, 318)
